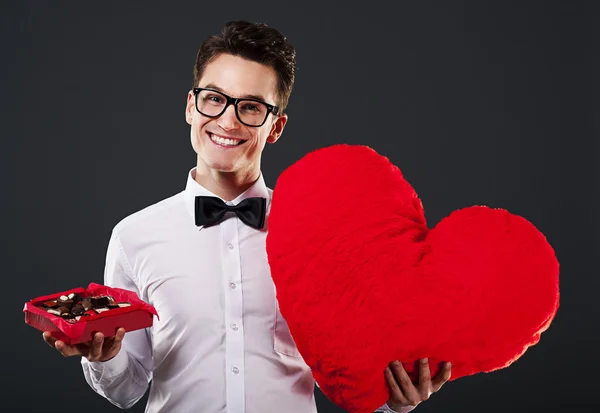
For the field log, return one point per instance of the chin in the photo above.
(220, 166)
(223, 168)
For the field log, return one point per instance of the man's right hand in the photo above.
(97, 350)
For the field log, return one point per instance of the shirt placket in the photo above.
(234, 329)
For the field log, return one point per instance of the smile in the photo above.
(225, 141)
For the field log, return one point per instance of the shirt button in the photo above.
(232, 286)
(230, 246)
(234, 327)
(235, 370)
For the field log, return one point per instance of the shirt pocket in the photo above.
(283, 343)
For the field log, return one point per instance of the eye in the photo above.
(251, 107)
(213, 98)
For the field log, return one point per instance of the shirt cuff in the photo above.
(387, 409)
(107, 371)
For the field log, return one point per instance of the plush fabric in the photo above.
(362, 281)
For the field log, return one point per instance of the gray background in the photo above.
(477, 102)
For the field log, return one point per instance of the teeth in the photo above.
(224, 141)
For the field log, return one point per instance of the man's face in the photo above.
(238, 78)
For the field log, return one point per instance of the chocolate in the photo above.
(100, 301)
(72, 318)
(50, 304)
(77, 309)
(87, 304)
(63, 310)
(73, 307)
(65, 302)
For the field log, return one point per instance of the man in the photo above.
(221, 344)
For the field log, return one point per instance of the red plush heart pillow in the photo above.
(362, 281)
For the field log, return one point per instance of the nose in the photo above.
(228, 120)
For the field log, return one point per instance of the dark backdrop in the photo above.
(477, 102)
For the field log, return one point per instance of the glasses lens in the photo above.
(210, 103)
(252, 113)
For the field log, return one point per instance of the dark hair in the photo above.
(256, 42)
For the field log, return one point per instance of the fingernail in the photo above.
(425, 360)
(448, 364)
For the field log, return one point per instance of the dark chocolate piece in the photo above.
(87, 304)
(63, 310)
(77, 309)
(101, 301)
(68, 302)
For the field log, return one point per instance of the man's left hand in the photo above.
(404, 394)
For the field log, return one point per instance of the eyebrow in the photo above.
(247, 96)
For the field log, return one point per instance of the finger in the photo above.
(442, 377)
(406, 385)
(65, 349)
(96, 348)
(49, 339)
(395, 391)
(59, 345)
(114, 342)
(120, 335)
(424, 379)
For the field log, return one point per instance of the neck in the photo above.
(226, 185)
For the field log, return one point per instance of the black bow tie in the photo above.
(209, 210)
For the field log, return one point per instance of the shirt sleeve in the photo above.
(124, 379)
(385, 408)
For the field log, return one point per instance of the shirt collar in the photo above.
(194, 189)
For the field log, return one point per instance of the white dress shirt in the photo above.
(221, 344)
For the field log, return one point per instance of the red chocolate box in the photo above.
(134, 317)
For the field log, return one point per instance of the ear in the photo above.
(277, 128)
(190, 107)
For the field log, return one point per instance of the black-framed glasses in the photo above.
(251, 112)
